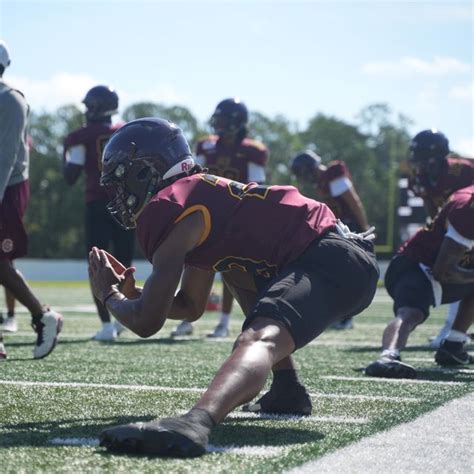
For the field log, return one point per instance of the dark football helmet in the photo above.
(141, 158)
(230, 118)
(428, 151)
(305, 164)
(101, 103)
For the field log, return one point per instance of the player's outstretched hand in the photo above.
(127, 285)
(102, 275)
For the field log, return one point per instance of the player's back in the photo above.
(252, 227)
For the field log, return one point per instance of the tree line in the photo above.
(373, 146)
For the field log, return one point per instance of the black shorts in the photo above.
(408, 286)
(102, 231)
(333, 279)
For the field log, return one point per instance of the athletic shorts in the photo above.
(104, 232)
(13, 238)
(408, 286)
(334, 278)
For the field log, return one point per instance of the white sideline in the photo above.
(299, 419)
(158, 388)
(436, 442)
(262, 451)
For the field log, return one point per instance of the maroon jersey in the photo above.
(330, 183)
(456, 173)
(254, 228)
(93, 138)
(458, 212)
(237, 162)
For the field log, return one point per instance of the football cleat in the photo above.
(221, 330)
(47, 329)
(107, 333)
(10, 324)
(392, 368)
(453, 353)
(296, 402)
(169, 437)
(184, 328)
(3, 352)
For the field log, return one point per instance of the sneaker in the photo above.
(295, 401)
(107, 333)
(3, 352)
(119, 327)
(47, 330)
(453, 353)
(184, 328)
(221, 330)
(392, 368)
(344, 324)
(10, 325)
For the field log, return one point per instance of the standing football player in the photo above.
(437, 174)
(294, 271)
(334, 187)
(231, 154)
(435, 266)
(82, 151)
(14, 196)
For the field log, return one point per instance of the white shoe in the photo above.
(3, 352)
(221, 330)
(47, 330)
(10, 325)
(119, 327)
(108, 333)
(184, 328)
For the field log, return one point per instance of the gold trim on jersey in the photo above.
(205, 214)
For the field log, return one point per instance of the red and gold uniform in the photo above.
(408, 278)
(332, 183)
(285, 241)
(456, 173)
(242, 162)
(84, 147)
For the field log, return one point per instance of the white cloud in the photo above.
(465, 147)
(408, 66)
(464, 92)
(65, 88)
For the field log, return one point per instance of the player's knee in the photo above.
(251, 337)
(410, 316)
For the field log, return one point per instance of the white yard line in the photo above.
(375, 398)
(384, 380)
(436, 442)
(300, 419)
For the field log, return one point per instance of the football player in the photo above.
(436, 266)
(82, 152)
(282, 255)
(231, 154)
(14, 196)
(437, 173)
(335, 187)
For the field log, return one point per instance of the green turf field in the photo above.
(84, 386)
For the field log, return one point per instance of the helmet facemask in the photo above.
(131, 186)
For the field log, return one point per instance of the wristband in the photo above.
(112, 292)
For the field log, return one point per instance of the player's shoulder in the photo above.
(207, 144)
(77, 137)
(463, 197)
(10, 96)
(253, 144)
(337, 169)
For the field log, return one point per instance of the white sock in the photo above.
(390, 353)
(107, 325)
(224, 321)
(456, 336)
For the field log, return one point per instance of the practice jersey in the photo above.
(456, 173)
(84, 147)
(455, 220)
(332, 183)
(253, 228)
(243, 162)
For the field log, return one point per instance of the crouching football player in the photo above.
(436, 266)
(284, 256)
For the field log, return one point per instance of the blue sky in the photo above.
(294, 58)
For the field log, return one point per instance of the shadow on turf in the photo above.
(437, 374)
(232, 432)
(361, 350)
